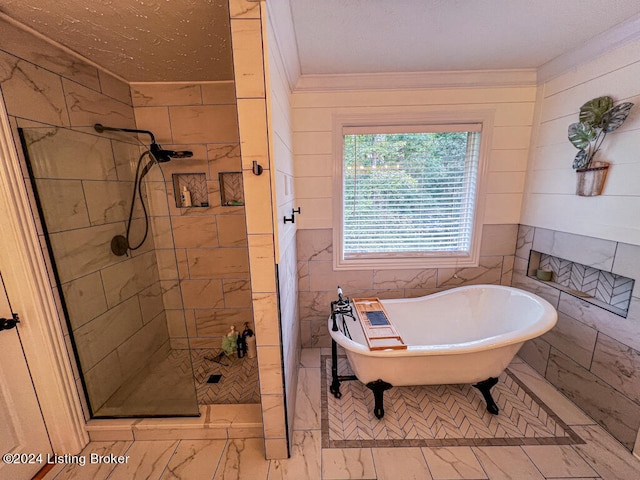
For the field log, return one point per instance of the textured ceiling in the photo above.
(188, 40)
(363, 36)
(140, 40)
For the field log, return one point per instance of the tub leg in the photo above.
(485, 389)
(378, 387)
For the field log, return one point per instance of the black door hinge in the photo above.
(9, 323)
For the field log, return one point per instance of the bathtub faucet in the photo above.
(342, 306)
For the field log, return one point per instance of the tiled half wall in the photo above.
(592, 355)
(318, 281)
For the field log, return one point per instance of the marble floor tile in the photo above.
(194, 459)
(347, 463)
(395, 463)
(453, 463)
(147, 460)
(556, 401)
(558, 461)
(600, 458)
(607, 457)
(243, 459)
(307, 413)
(507, 463)
(305, 459)
(90, 471)
(310, 358)
(516, 359)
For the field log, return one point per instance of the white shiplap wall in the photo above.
(549, 200)
(312, 114)
(278, 54)
(280, 138)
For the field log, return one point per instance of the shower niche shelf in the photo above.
(599, 287)
(231, 191)
(196, 184)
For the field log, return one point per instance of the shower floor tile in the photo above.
(167, 388)
(239, 381)
(163, 389)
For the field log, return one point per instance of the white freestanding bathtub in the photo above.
(463, 335)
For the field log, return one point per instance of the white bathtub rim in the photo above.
(548, 321)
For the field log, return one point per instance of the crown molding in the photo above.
(417, 80)
(607, 41)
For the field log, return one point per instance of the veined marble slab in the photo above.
(590, 251)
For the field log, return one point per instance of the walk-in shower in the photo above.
(128, 325)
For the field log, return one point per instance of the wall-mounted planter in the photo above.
(598, 117)
(590, 181)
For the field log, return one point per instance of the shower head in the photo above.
(161, 155)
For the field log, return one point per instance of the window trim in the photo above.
(484, 117)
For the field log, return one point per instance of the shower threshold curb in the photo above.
(214, 422)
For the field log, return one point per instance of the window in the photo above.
(409, 195)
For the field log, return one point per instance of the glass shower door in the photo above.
(119, 308)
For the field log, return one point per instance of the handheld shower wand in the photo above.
(121, 244)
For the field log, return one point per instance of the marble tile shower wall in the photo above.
(318, 281)
(592, 355)
(211, 241)
(42, 86)
(114, 302)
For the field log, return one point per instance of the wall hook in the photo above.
(257, 168)
(292, 219)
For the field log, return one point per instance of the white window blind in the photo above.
(409, 191)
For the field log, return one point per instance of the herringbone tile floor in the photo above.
(239, 382)
(437, 416)
(239, 376)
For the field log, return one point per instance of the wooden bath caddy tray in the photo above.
(376, 325)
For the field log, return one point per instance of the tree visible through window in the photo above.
(409, 194)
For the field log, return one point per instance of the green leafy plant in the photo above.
(598, 117)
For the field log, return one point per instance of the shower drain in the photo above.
(214, 378)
